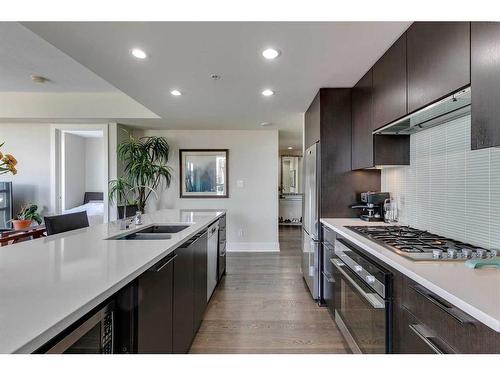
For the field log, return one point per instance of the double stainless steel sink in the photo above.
(153, 232)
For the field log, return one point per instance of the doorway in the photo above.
(291, 192)
(79, 170)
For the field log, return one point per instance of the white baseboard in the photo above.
(253, 246)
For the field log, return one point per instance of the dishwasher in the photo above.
(212, 253)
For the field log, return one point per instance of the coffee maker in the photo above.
(372, 204)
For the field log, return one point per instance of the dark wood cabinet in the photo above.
(389, 85)
(438, 58)
(370, 150)
(416, 338)
(200, 280)
(362, 123)
(183, 312)
(312, 119)
(155, 308)
(485, 83)
(391, 150)
(423, 322)
(339, 186)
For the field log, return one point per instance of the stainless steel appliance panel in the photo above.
(212, 253)
(359, 313)
(94, 336)
(310, 263)
(363, 300)
(311, 205)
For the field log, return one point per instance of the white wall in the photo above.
(252, 217)
(94, 166)
(449, 189)
(73, 170)
(30, 144)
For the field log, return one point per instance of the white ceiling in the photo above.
(23, 53)
(182, 55)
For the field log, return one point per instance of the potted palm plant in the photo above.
(122, 192)
(145, 170)
(28, 214)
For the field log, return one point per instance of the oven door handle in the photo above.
(372, 298)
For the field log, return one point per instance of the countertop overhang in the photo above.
(49, 283)
(475, 291)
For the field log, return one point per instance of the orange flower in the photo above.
(11, 159)
(12, 169)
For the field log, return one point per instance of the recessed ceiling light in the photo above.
(138, 53)
(265, 123)
(270, 53)
(290, 148)
(268, 92)
(176, 93)
(38, 79)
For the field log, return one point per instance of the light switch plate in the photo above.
(240, 183)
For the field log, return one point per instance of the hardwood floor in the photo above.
(263, 306)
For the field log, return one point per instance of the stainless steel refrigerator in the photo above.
(310, 228)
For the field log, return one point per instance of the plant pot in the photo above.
(21, 224)
(131, 210)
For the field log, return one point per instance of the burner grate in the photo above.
(420, 244)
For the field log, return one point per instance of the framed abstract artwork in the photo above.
(203, 173)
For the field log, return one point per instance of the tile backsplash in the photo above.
(449, 189)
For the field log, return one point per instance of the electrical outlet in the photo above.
(240, 233)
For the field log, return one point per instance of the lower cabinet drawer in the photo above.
(453, 326)
(417, 338)
(329, 291)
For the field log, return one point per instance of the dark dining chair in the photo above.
(64, 223)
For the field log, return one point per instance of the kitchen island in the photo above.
(48, 284)
(457, 308)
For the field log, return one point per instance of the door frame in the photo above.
(56, 132)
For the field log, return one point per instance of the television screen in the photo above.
(5, 205)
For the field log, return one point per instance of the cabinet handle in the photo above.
(455, 313)
(159, 268)
(328, 277)
(425, 338)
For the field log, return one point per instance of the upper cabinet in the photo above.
(438, 61)
(362, 123)
(370, 150)
(485, 84)
(389, 85)
(312, 120)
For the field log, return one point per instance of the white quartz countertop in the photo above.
(475, 291)
(49, 283)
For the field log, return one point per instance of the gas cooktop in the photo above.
(421, 245)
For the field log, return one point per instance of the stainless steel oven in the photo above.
(363, 301)
(94, 335)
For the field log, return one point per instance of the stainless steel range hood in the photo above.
(447, 109)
